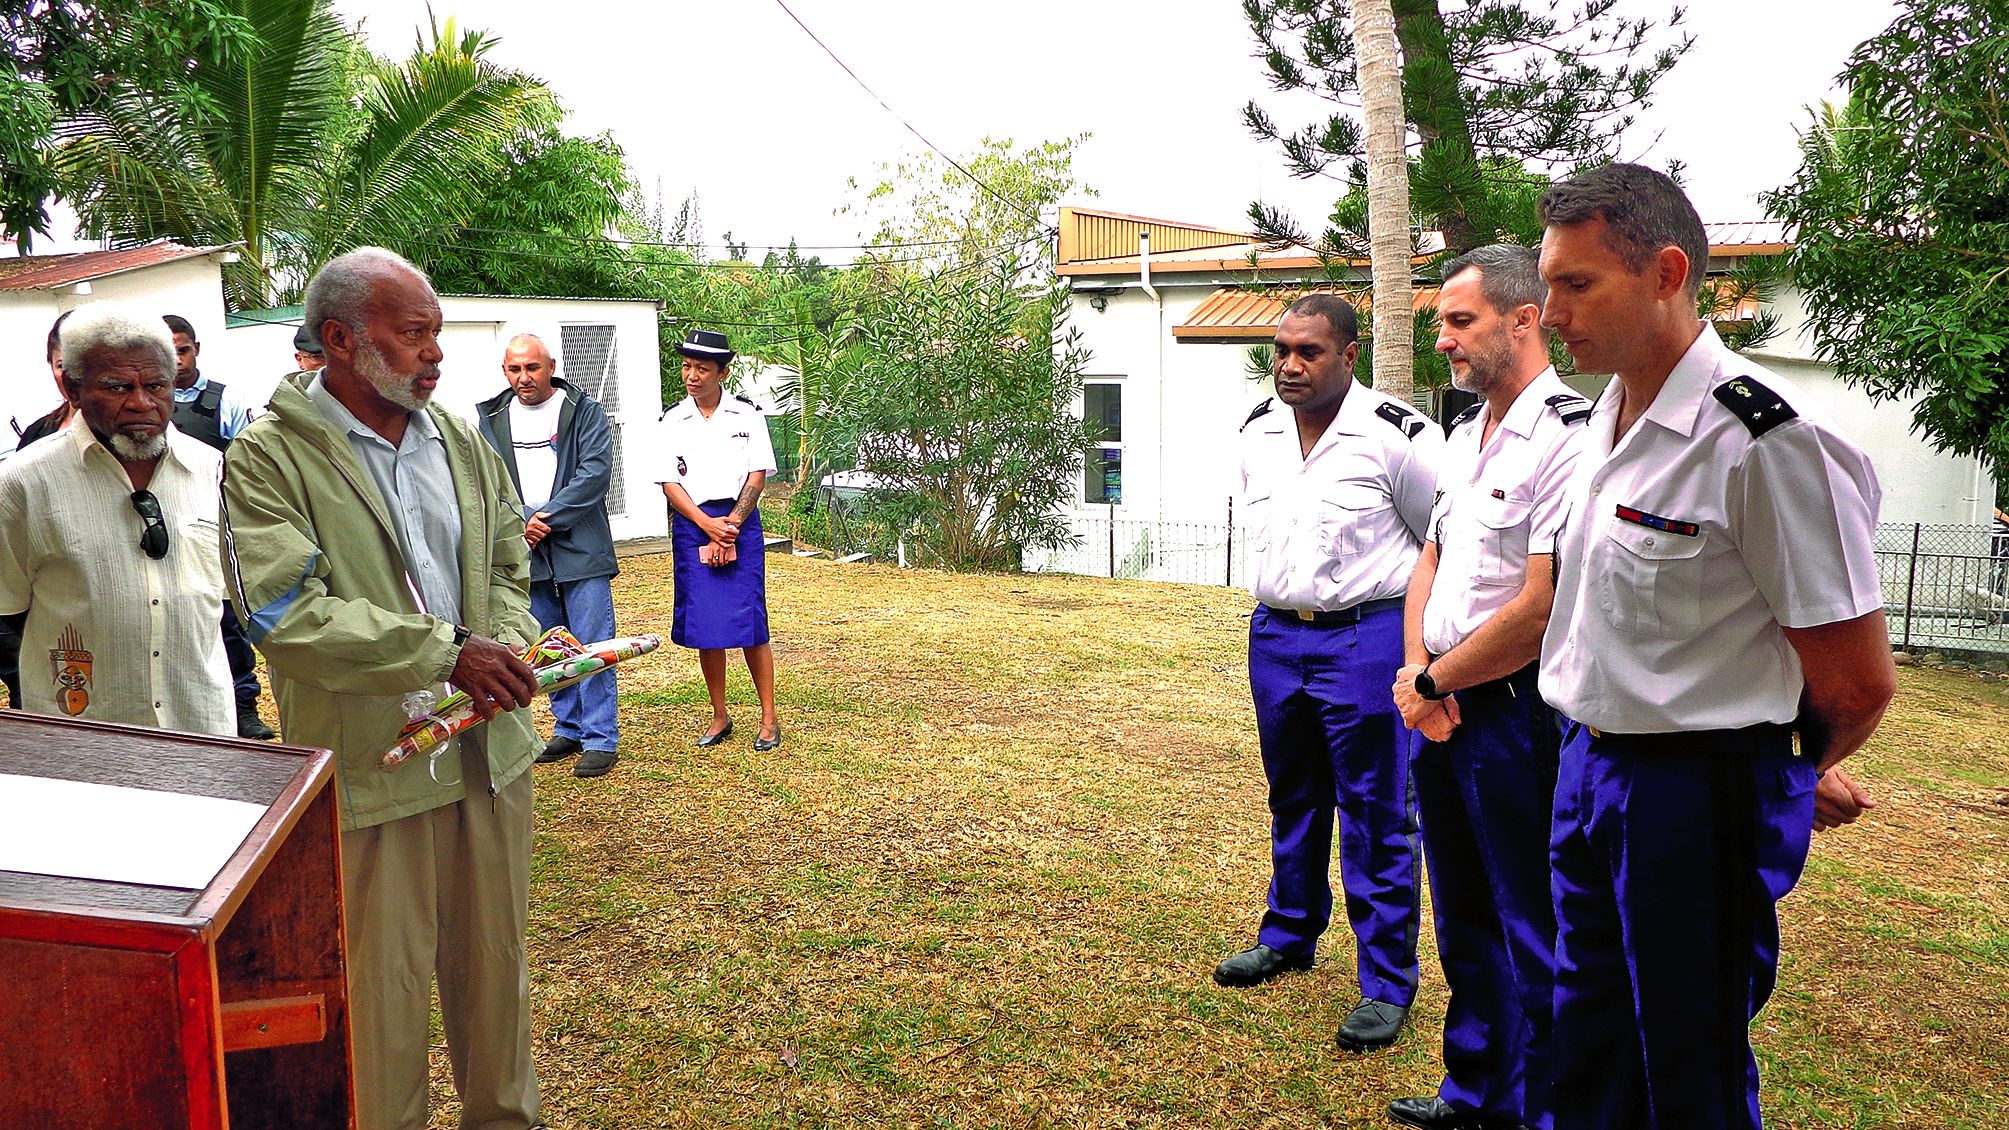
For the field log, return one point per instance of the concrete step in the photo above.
(780, 545)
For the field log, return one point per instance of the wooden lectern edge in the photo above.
(220, 899)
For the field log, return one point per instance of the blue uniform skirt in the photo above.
(718, 606)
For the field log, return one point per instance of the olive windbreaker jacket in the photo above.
(317, 573)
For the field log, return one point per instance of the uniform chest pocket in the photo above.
(1650, 580)
(1503, 541)
(1256, 518)
(1349, 517)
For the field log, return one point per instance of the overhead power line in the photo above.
(959, 166)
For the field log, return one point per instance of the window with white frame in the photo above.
(1102, 410)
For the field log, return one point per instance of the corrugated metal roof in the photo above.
(1231, 315)
(1105, 243)
(48, 272)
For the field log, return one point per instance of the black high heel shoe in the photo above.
(762, 745)
(710, 740)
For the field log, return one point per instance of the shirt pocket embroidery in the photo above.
(1348, 519)
(1503, 541)
(1651, 580)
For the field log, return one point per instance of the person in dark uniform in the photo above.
(716, 457)
(206, 410)
(42, 428)
(1337, 484)
(1486, 776)
(1717, 593)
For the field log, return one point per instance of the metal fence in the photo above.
(1943, 586)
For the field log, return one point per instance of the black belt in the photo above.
(1688, 741)
(1338, 615)
(1520, 682)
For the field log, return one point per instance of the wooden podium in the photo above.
(141, 1006)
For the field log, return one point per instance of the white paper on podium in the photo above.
(158, 839)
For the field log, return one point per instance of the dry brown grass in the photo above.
(1016, 820)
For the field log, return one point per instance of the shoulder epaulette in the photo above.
(1572, 408)
(1465, 417)
(746, 400)
(1757, 407)
(1406, 420)
(1260, 409)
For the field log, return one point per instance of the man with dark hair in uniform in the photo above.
(1716, 594)
(205, 410)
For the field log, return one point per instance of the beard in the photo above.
(397, 389)
(1486, 366)
(131, 450)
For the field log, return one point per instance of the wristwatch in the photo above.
(1427, 686)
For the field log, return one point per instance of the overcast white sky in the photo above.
(732, 100)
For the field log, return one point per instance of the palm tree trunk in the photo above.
(1387, 195)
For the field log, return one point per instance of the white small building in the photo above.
(35, 289)
(1167, 312)
(606, 347)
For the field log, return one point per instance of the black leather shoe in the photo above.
(762, 745)
(1432, 1113)
(249, 726)
(595, 763)
(710, 740)
(558, 749)
(1257, 964)
(1371, 1025)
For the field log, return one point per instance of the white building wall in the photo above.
(475, 332)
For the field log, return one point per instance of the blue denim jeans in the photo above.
(587, 712)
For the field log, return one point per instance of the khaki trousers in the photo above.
(443, 891)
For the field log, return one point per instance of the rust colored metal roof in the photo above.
(49, 272)
(1234, 316)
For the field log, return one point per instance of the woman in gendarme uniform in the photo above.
(716, 456)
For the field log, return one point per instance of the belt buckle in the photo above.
(1594, 731)
(1308, 615)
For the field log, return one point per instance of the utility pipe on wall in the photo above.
(1144, 280)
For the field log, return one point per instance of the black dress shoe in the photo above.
(595, 763)
(558, 749)
(762, 745)
(1371, 1025)
(249, 725)
(1257, 964)
(1432, 1113)
(710, 740)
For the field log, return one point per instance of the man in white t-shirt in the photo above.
(559, 447)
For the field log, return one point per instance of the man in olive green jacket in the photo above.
(379, 551)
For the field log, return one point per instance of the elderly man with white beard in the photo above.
(111, 545)
(378, 549)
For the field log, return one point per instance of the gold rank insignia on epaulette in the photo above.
(1260, 409)
(1572, 408)
(1757, 407)
(1406, 420)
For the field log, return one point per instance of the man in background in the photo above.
(559, 448)
(207, 411)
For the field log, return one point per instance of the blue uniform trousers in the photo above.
(1485, 797)
(1331, 739)
(1670, 853)
(587, 711)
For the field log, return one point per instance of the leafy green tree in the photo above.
(315, 148)
(544, 228)
(1901, 207)
(966, 421)
(63, 58)
(932, 214)
(1488, 88)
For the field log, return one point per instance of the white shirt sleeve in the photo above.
(1805, 520)
(663, 459)
(1414, 481)
(1551, 506)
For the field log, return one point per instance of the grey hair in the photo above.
(1643, 211)
(112, 325)
(1510, 276)
(340, 291)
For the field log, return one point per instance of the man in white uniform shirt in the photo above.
(715, 458)
(1486, 777)
(1717, 593)
(111, 545)
(1337, 486)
